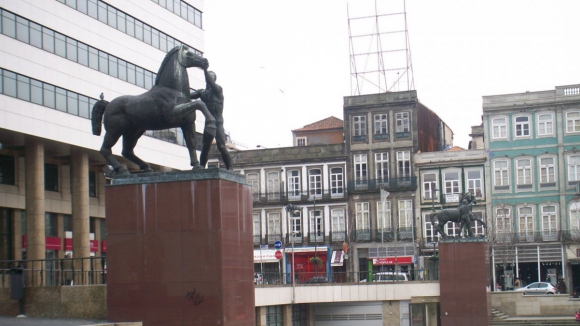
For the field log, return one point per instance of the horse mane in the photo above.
(165, 60)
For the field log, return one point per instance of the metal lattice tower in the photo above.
(380, 55)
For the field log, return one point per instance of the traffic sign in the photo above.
(278, 244)
(278, 254)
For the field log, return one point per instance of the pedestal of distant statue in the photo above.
(464, 282)
(180, 249)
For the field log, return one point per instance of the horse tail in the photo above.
(97, 116)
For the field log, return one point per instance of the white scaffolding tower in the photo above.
(380, 55)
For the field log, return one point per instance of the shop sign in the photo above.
(265, 256)
(403, 260)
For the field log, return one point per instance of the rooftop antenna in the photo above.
(380, 55)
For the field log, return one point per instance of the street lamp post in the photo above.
(293, 210)
(433, 193)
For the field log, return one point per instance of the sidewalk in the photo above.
(28, 321)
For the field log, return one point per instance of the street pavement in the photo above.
(27, 321)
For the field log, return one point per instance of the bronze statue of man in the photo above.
(213, 97)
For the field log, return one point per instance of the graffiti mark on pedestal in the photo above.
(195, 297)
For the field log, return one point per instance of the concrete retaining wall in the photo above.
(74, 302)
(516, 304)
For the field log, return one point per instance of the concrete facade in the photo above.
(532, 140)
(57, 57)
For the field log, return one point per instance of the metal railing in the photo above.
(93, 271)
(56, 272)
(406, 183)
(298, 196)
(364, 277)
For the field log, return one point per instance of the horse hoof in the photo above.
(197, 167)
(122, 172)
(147, 170)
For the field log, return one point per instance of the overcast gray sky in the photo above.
(285, 64)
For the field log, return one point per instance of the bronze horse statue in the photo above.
(461, 214)
(166, 105)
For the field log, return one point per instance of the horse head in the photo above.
(189, 59)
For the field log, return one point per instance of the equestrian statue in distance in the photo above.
(166, 105)
(461, 214)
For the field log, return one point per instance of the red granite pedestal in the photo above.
(464, 281)
(180, 249)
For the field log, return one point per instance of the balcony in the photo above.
(295, 196)
(273, 237)
(337, 236)
(257, 239)
(362, 235)
(384, 235)
(391, 184)
(316, 237)
(295, 238)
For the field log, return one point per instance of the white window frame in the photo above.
(382, 167)
(549, 222)
(499, 128)
(301, 141)
(475, 185)
(574, 217)
(296, 225)
(526, 223)
(360, 168)
(524, 175)
(338, 220)
(547, 171)
(362, 216)
(315, 183)
(429, 232)
(503, 223)
(253, 179)
(294, 184)
(359, 125)
(274, 224)
(336, 182)
(316, 225)
(572, 122)
(381, 124)
(405, 218)
(387, 217)
(522, 127)
(427, 190)
(402, 120)
(257, 229)
(450, 184)
(273, 185)
(403, 163)
(501, 174)
(545, 124)
(573, 163)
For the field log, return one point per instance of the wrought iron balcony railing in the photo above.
(408, 183)
(294, 196)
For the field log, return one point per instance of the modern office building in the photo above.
(56, 58)
(532, 174)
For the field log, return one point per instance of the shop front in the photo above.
(398, 264)
(309, 263)
(267, 268)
